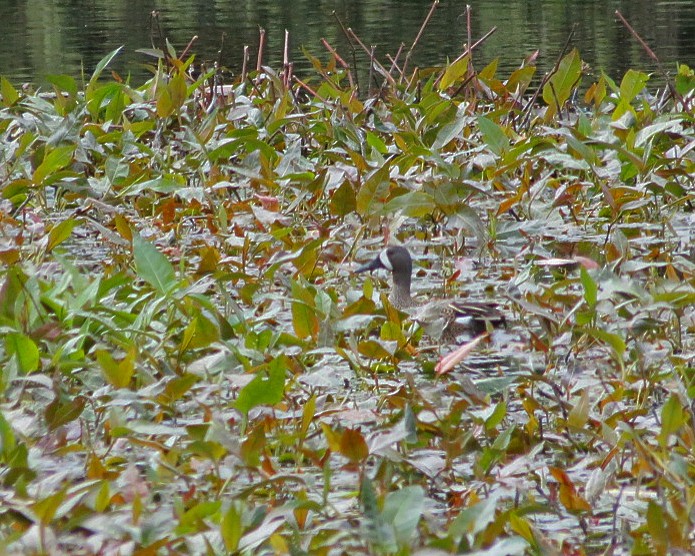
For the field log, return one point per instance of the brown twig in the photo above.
(394, 65)
(261, 48)
(309, 89)
(339, 60)
(655, 58)
(370, 53)
(188, 47)
(468, 50)
(372, 60)
(526, 112)
(221, 50)
(286, 65)
(154, 19)
(433, 7)
(469, 37)
(352, 49)
(244, 63)
(394, 61)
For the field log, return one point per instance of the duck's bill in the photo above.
(374, 264)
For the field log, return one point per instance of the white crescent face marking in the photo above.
(384, 258)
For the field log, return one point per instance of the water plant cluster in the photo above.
(189, 365)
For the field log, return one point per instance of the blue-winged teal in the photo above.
(442, 319)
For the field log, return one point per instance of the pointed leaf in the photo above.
(353, 445)
(374, 191)
(8, 92)
(493, 135)
(24, 350)
(266, 388)
(453, 73)
(55, 160)
(60, 232)
(105, 61)
(152, 266)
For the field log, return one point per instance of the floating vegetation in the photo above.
(190, 365)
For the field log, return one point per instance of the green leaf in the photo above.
(579, 414)
(117, 373)
(374, 191)
(55, 160)
(452, 129)
(403, 509)
(520, 79)
(103, 497)
(304, 314)
(672, 419)
(590, 287)
(177, 387)
(685, 80)
(343, 200)
(496, 417)
(502, 441)
(8, 92)
(7, 439)
(105, 61)
(368, 499)
(266, 388)
(63, 83)
(160, 184)
(613, 340)
(171, 96)
(60, 232)
(24, 350)
(560, 86)
(231, 527)
(200, 332)
(521, 526)
(473, 519)
(372, 350)
(453, 73)
(493, 135)
(46, 508)
(195, 515)
(152, 266)
(656, 527)
(633, 83)
(414, 204)
(376, 142)
(63, 410)
(308, 416)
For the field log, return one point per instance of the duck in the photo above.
(442, 319)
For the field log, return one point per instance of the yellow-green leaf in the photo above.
(117, 373)
(55, 160)
(24, 350)
(60, 232)
(453, 73)
(8, 92)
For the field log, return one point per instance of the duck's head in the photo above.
(395, 259)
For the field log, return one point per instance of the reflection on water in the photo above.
(62, 36)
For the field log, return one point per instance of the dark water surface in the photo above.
(42, 37)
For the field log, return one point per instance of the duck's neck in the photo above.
(400, 294)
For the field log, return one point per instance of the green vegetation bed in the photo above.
(189, 365)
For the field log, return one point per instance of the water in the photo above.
(43, 37)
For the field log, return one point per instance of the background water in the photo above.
(43, 37)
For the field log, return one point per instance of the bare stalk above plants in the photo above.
(654, 57)
(419, 35)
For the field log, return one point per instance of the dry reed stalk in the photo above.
(261, 48)
(340, 61)
(433, 7)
